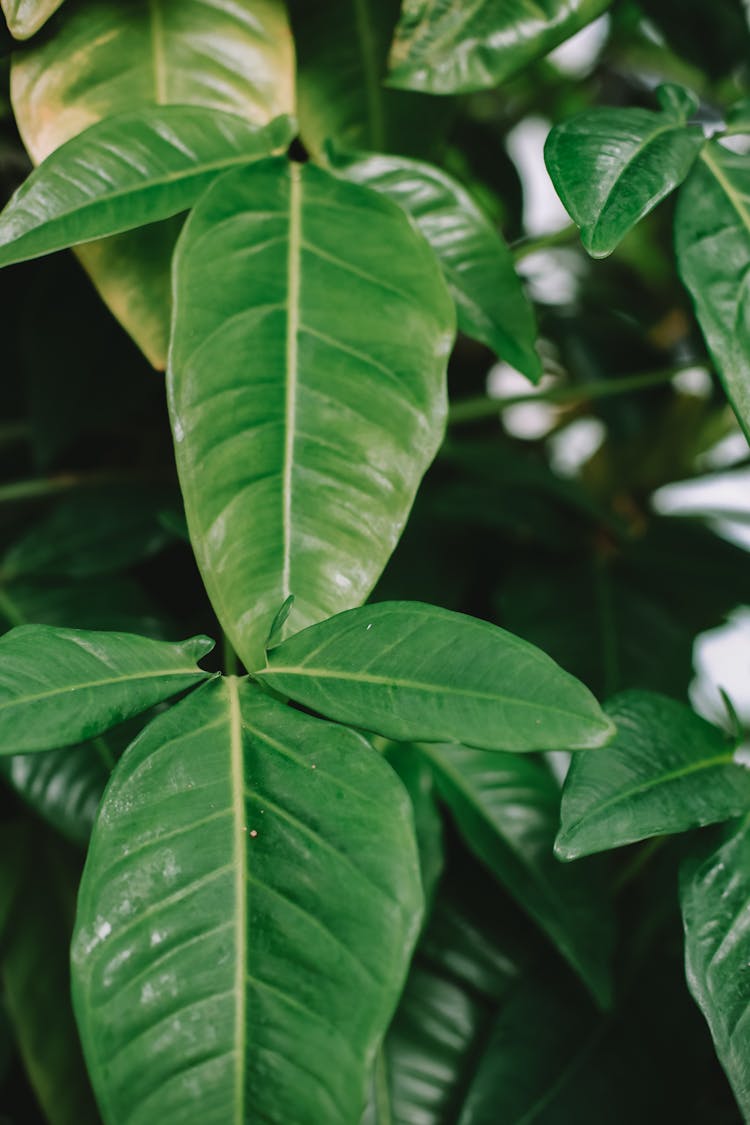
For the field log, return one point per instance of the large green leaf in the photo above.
(714, 893)
(478, 266)
(415, 672)
(62, 686)
(246, 917)
(418, 782)
(308, 396)
(107, 58)
(506, 809)
(25, 17)
(126, 171)
(667, 770)
(712, 238)
(36, 981)
(612, 166)
(446, 48)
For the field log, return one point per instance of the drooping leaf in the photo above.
(417, 779)
(446, 48)
(235, 56)
(478, 266)
(62, 686)
(25, 17)
(666, 770)
(712, 239)
(36, 981)
(328, 338)
(220, 973)
(506, 809)
(714, 893)
(612, 166)
(342, 48)
(411, 671)
(126, 171)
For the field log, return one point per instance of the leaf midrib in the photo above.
(240, 885)
(292, 360)
(726, 185)
(100, 683)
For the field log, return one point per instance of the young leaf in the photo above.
(612, 166)
(128, 170)
(491, 304)
(666, 770)
(443, 49)
(415, 672)
(62, 686)
(506, 809)
(714, 893)
(328, 336)
(712, 239)
(25, 17)
(246, 917)
(107, 58)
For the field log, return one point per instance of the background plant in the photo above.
(350, 886)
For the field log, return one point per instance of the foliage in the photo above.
(340, 870)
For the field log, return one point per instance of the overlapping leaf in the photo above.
(62, 686)
(506, 808)
(25, 17)
(715, 892)
(666, 770)
(446, 48)
(106, 58)
(491, 304)
(126, 171)
(612, 166)
(307, 396)
(412, 671)
(712, 238)
(216, 959)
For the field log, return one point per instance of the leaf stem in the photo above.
(43, 487)
(475, 409)
(230, 659)
(527, 246)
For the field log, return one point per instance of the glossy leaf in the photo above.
(417, 779)
(36, 983)
(612, 166)
(411, 671)
(506, 809)
(25, 17)
(328, 336)
(62, 686)
(666, 770)
(712, 238)
(714, 894)
(126, 171)
(440, 48)
(342, 48)
(215, 957)
(478, 266)
(104, 59)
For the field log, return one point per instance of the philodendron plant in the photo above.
(270, 204)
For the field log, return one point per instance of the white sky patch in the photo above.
(718, 498)
(577, 55)
(552, 276)
(721, 659)
(543, 212)
(695, 381)
(571, 448)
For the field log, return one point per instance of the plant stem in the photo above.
(229, 656)
(43, 487)
(475, 409)
(527, 246)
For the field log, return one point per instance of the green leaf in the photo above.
(36, 982)
(417, 779)
(246, 917)
(492, 306)
(62, 686)
(712, 239)
(328, 336)
(128, 170)
(612, 166)
(25, 17)
(666, 770)
(714, 893)
(415, 672)
(443, 48)
(342, 47)
(506, 809)
(104, 59)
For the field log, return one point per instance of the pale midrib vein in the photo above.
(157, 53)
(725, 759)
(292, 345)
(51, 693)
(733, 196)
(638, 151)
(240, 868)
(373, 91)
